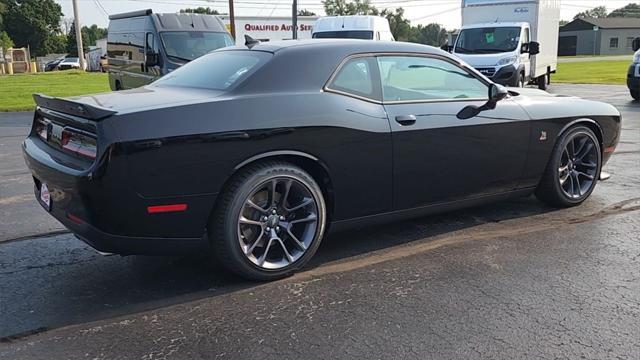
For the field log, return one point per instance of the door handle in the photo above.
(406, 120)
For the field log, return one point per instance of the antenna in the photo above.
(250, 42)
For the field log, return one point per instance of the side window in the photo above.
(414, 78)
(356, 77)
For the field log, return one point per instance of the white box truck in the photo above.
(513, 42)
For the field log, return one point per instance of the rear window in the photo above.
(216, 71)
(347, 34)
(189, 45)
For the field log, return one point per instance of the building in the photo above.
(271, 28)
(608, 36)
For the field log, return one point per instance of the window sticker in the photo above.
(489, 38)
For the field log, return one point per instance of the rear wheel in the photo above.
(635, 94)
(269, 222)
(573, 170)
(542, 82)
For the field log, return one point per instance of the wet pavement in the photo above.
(510, 280)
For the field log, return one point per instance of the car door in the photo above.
(362, 167)
(438, 157)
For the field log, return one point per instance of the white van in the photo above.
(353, 27)
(513, 42)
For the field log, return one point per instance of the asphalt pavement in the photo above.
(510, 280)
(20, 216)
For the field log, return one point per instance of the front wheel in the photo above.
(520, 81)
(635, 94)
(269, 222)
(573, 170)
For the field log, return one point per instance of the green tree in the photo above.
(57, 44)
(431, 34)
(305, 12)
(354, 7)
(628, 11)
(72, 44)
(31, 23)
(5, 40)
(93, 33)
(597, 13)
(3, 9)
(400, 26)
(200, 10)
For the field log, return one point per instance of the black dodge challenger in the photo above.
(257, 150)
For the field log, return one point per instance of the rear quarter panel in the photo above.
(193, 149)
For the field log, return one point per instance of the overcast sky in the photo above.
(445, 12)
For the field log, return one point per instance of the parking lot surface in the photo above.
(510, 280)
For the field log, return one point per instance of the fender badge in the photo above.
(543, 135)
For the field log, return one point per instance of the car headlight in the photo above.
(508, 60)
(636, 57)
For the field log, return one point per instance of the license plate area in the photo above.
(637, 72)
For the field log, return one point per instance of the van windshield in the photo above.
(347, 34)
(189, 45)
(488, 40)
(219, 70)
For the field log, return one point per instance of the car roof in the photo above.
(351, 22)
(342, 46)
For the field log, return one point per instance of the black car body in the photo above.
(165, 152)
(53, 64)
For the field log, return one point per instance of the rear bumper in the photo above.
(104, 213)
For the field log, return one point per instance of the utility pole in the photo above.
(76, 20)
(294, 17)
(232, 20)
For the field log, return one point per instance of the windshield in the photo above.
(189, 45)
(348, 34)
(217, 71)
(488, 40)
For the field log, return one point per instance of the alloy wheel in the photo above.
(578, 166)
(277, 223)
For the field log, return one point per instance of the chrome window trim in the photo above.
(462, 66)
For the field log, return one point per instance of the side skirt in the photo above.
(394, 216)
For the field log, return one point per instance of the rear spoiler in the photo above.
(71, 107)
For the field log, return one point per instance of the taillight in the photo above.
(79, 143)
(41, 128)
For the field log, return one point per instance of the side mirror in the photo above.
(446, 47)
(152, 59)
(534, 48)
(496, 93)
(636, 44)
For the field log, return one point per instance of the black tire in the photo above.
(520, 82)
(635, 95)
(225, 226)
(550, 189)
(542, 82)
(548, 77)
